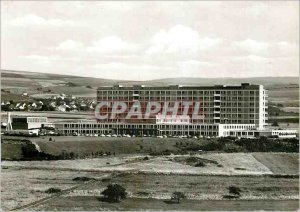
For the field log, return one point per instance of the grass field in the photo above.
(233, 164)
(152, 181)
(228, 164)
(23, 186)
(281, 90)
(145, 189)
(11, 151)
(279, 162)
(287, 96)
(197, 187)
(291, 109)
(87, 145)
(18, 82)
(135, 204)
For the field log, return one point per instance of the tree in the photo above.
(233, 190)
(275, 124)
(114, 192)
(178, 196)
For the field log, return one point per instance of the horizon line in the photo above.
(149, 79)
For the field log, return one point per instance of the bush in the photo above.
(53, 190)
(178, 196)
(166, 152)
(212, 146)
(200, 164)
(230, 147)
(230, 196)
(72, 155)
(146, 158)
(83, 179)
(106, 179)
(234, 190)
(71, 84)
(114, 193)
(142, 193)
(191, 160)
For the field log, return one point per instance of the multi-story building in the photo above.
(221, 111)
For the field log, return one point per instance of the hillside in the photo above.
(266, 81)
(17, 82)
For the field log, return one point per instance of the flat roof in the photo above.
(181, 87)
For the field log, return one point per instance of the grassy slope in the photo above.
(148, 191)
(11, 151)
(135, 204)
(279, 162)
(31, 80)
(87, 145)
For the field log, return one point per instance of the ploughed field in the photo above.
(267, 181)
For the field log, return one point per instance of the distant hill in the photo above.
(185, 81)
(46, 76)
(267, 81)
(18, 82)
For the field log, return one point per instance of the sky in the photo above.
(136, 40)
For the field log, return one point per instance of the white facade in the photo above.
(170, 119)
(285, 133)
(36, 122)
(232, 129)
(263, 107)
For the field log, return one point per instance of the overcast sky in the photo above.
(150, 40)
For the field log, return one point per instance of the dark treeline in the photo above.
(262, 144)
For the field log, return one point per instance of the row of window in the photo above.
(178, 92)
(242, 127)
(134, 126)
